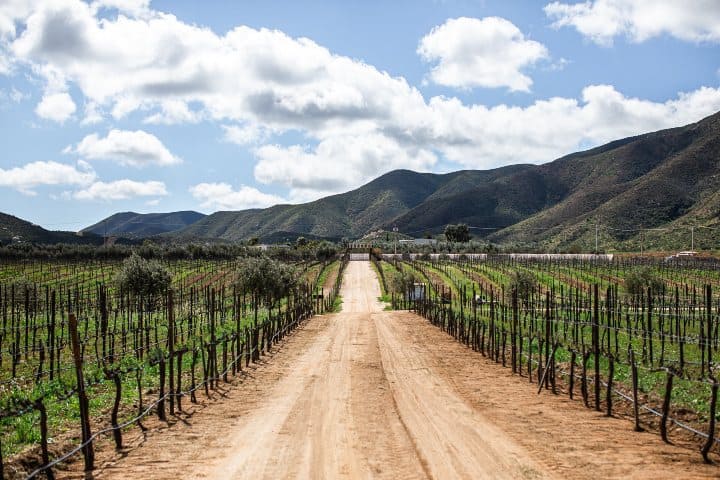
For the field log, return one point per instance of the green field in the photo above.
(163, 348)
(585, 312)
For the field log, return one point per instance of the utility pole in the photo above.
(596, 238)
(692, 238)
(642, 241)
(395, 230)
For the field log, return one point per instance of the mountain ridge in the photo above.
(632, 187)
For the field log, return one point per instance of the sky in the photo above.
(165, 105)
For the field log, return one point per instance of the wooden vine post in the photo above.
(711, 429)
(666, 406)
(40, 407)
(171, 352)
(596, 346)
(708, 320)
(88, 452)
(515, 323)
(636, 406)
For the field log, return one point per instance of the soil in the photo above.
(368, 393)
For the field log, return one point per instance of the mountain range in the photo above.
(649, 191)
(14, 230)
(141, 225)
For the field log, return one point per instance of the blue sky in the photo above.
(117, 105)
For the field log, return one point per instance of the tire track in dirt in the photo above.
(373, 394)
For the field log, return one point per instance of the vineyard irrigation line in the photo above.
(645, 407)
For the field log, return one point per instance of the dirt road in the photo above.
(373, 394)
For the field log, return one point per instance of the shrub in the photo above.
(266, 279)
(401, 282)
(640, 279)
(524, 283)
(143, 277)
(325, 251)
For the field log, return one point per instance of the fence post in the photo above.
(87, 449)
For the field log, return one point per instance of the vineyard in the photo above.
(84, 357)
(628, 334)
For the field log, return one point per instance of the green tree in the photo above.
(266, 280)
(524, 283)
(143, 278)
(325, 251)
(457, 233)
(642, 278)
(402, 281)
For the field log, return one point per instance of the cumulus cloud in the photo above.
(550, 128)
(222, 196)
(57, 107)
(173, 112)
(603, 20)
(156, 62)
(247, 134)
(121, 190)
(130, 148)
(12, 96)
(488, 52)
(355, 121)
(5, 64)
(130, 7)
(27, 177)
(335, 164)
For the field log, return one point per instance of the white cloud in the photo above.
(121, 190)
(134, 149)
(550, 128)
(356, 122)
(247, 134)
(336, 164)
(57, 107)
(131, 7)
(221, 196)
(31, 175)
(488, 52)
(93, 115)
(5, 64)
(639, 20)
(173, 112)
(261, 77)
(10, 12)
(13, 95)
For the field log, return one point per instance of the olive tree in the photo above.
(143, 278)
(524, 283)
(402, 282)
(266, 280)
(640, 279)
(457, 233)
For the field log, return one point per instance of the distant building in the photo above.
(418, 241)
